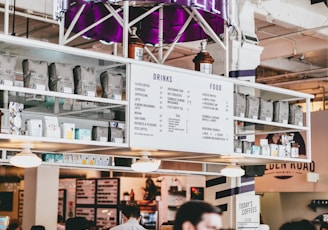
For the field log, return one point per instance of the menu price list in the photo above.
(61, 202)
(85, 191)
(20, 204)
(170, 110)
(107, 191)
(106, 217)
(88, 213)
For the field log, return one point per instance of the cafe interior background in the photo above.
(290, 45)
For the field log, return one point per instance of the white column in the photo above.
(41, 197)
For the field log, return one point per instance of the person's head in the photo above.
(198, 215)
(76, 223)
(298, 225)
(131, 211)
(14, 225)
(324, 226)
(60, 219)
(38, 227)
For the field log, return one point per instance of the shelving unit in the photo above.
(178, 114)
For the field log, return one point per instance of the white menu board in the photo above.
(107, 191)
(85, 191)
(171, 110)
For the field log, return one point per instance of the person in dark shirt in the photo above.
(302, 224)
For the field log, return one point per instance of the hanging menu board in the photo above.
(106, 217)
(88, 213)
(171, 110)
(107, 191)
(85, 191)
(61, 210)
(20, 204)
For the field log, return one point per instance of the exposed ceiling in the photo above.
(294, 35)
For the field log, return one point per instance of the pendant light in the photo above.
(145, 164)
(25, 159)
(232, 170)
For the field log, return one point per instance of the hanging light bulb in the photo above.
(25, 159)
(232, 170)
(144, 164)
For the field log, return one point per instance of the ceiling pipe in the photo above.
(300, 81)
(293, 33)
(272, 78)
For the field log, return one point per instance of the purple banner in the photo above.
(214, 12)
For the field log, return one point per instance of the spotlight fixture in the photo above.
(25, 159)
(232, 170)
(144, 164)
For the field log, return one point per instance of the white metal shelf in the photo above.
(44, 144)
(55, 53)
(62, 95)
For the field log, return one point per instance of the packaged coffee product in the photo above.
(100, 133)
(136, 46)
(116, 135)
(67, 130)
(112, 85)
(15, 117)
(83, 134)
(280, 111)
(85, 81)
(252, 107)
(34, 127)
(203, 60)
(239, 104)
(7, 70)
(35, 75)
(266, 110)
(295, 115)
(51, 127)
(61, 78)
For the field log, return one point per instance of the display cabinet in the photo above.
(177, 114)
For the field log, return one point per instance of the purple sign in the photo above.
(214, 12)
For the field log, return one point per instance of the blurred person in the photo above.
(324, 226)
(38, 227)
(77, 223)
(198, 215)
(92, 225)
(60, 222)
(302, 224)
(131, 218)
(14, 225)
